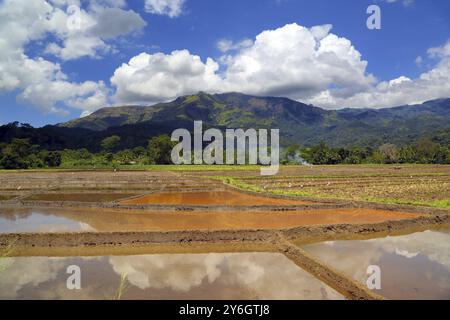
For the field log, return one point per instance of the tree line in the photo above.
(424, 151)
(21, 154)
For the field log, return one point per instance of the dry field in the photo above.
(423, 185)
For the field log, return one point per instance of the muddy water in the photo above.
(225, 198)
(58, 220)
(415, 266)
(81, 197)
(169, 276)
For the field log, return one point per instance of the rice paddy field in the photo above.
(226, 232)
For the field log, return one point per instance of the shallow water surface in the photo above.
(163, 276)
(415, 266)
(65, 220)
(225, 198)
(25, 220)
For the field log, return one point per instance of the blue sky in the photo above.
(406, 61)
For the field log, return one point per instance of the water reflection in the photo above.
(25, 220)
(415, 266)
(165, 276)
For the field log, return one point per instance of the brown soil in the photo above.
(228, 198)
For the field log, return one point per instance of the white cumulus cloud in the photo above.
(161, 77)
(85, 32)
(312, 65)
(171, 8)
(42, 82)
(297, 62)
(430, 85)
(291, 61)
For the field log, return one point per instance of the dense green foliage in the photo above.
(20, 154)
(157, 152)
(423, 151)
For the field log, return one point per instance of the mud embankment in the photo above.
(302, 234)
(349, 288)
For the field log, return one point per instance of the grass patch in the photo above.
(445, 203)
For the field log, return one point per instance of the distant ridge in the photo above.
(299, 123)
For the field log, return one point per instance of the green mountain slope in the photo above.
(298, 123)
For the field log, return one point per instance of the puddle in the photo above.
(225, 198)
(415, 266)
(80, 197)
(59, 220)
(231, 276)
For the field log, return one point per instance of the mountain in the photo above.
(231, 109)
(298, 122)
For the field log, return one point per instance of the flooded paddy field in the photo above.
(413, 266)
(222, 198)
(112, 223)
(102, 220)
(163, 276)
